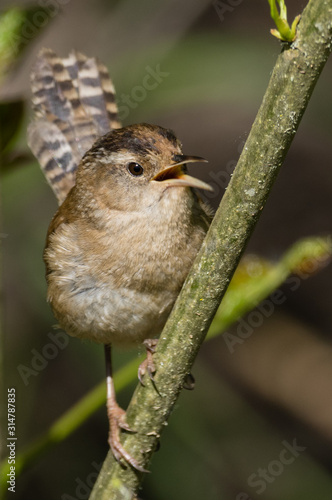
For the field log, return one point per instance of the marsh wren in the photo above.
(129, 223)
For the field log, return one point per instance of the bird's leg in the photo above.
(116, 417)
(148, 365)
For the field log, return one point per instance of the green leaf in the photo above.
(283, 31)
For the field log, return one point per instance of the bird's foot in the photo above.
(148, 365)
(117, 421)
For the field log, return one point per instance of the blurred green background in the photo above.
(250, 403)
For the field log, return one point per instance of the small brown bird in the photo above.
(129, 224)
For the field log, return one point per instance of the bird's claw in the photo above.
(148, 366)
(117, 420)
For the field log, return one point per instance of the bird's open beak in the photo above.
(175, 176)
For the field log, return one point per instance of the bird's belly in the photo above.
(121, 316)
(108, 288)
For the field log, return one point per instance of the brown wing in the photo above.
(74, 102)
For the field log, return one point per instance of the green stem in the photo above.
(294, 77)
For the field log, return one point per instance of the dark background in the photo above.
(275, 388)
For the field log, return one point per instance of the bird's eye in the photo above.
(135, 169)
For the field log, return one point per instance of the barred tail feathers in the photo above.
(74, 101)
